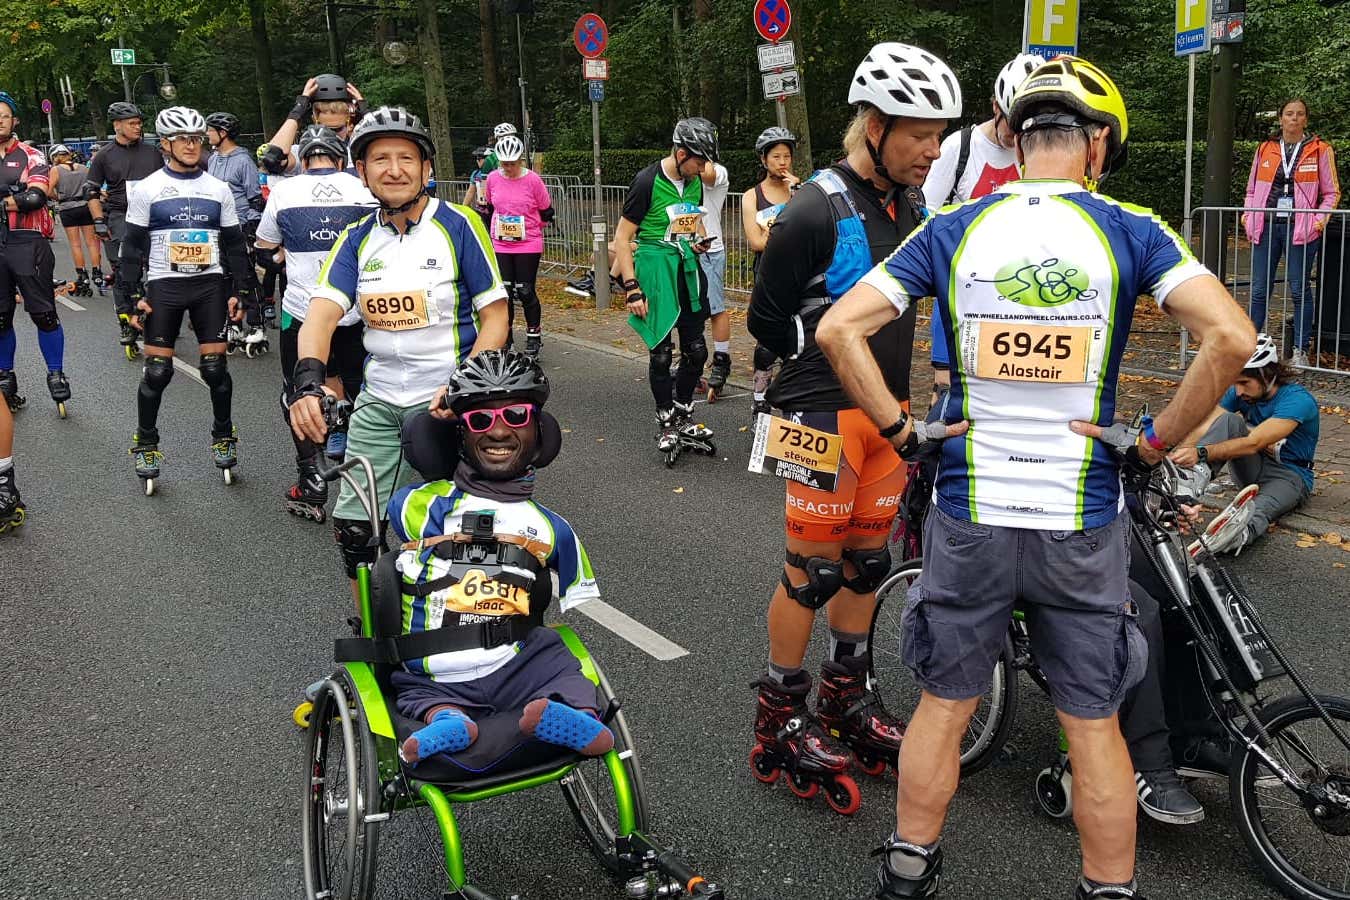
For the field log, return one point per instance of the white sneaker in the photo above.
(1228, 532)
(1300, 359)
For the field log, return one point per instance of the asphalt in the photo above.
(156, 647)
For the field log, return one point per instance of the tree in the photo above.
(262, 64)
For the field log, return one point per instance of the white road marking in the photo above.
(69, 304)
(189, 370)
(632, 631)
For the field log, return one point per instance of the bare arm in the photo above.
(756, 235)
(314, 342)
(492, 328)
(842, 333)
(1204, 308)
(1259, 440)
(623, 249)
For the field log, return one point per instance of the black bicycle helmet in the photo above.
(496, 375)
(123, 110)
(390, 121)
(223, 121)
(317, 140)
(696, 135)
(772, 135)
(330, 87)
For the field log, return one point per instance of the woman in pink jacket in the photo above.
(1290, 171)
(518, 207)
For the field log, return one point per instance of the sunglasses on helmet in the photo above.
(517, 415)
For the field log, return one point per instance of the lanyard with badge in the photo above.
(1285, 202)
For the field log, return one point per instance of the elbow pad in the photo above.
(274, 160)
(546, 215)
(30, 199)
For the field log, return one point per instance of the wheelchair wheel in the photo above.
(340, 833)
(1300, 838)
(891, 678)
(590, 795)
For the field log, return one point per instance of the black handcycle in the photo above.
(1288, 753)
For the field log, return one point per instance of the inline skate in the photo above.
(790, 742)
(81, 287)
(102, 282)
(147, 459)
(12, 510)
(224, 455)
(851, 712)
(58, 385)
(306, 498)
(9, 386)
(892, 885)
(718, 374)
(534, 341)
(130, 337)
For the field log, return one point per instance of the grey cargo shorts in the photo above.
(1074, 587)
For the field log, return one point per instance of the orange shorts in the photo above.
(867, 493)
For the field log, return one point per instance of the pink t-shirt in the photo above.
(516, 202)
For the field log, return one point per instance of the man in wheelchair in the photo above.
(479, 563)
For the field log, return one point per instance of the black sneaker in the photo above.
(1203, 758)
(1164, 798)
(583, 286)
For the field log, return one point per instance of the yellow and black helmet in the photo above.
(1085, 90)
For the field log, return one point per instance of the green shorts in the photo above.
(375, 432)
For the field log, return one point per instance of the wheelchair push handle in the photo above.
(336, 413)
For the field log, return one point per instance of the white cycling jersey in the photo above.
(305, 215)
(419, 294)
(184, 215)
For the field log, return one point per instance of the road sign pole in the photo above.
(780, 106)
(599, 227)
(1186, 205)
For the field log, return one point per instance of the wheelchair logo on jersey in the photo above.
(1051, 282)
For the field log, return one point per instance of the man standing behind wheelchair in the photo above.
(1035, 285)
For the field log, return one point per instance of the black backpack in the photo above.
(961, 159)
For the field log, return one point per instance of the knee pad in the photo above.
(158, 372)
(873, 566)
(660, 357)
(824, 578)
(357, 543)
(764, 357)
(46, 321)
(694, 355)
(214, 369)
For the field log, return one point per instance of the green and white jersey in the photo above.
(1035, 288)
(437, 508)
(663, 210)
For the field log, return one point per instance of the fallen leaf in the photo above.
(678, 491)
(1304, 545)
(1304, 536)
(599, 440)
(567, 431)
(1338, 565)
(1331, 537)
(743, 428)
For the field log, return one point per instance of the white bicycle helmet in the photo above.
(509, 148)
(901, 80)
(1266, 353)
(57, 150)
(1011, 76)
(502, 130)
(178, 120)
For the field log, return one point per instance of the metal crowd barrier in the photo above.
(1221, 242)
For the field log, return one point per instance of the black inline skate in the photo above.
(147, 459)
(58, 385)
(892, 885)
(9, 386)
(718, 374)
(102, 282)
(224, 455)
(534, 342)
(12, 511)
(693, 435)
(852, 712)
(81, 286)
(307, 496)
(790, 742)
(1107, 892)
(130, 337)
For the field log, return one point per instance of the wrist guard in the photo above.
(307, 379)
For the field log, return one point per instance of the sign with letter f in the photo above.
(1050, 27)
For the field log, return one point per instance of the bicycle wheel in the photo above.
(589, 791)
(1301, 839)
(891, 678)
(342, 793)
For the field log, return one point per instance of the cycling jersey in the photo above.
(22, 165)
(305, 215)
(664, 210)
(1035, 287)
(240, 172)
(418, 292)
(184, 215)
(989, 166)
(437, 508)
(120, 166)
(805, 267)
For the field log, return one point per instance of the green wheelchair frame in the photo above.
(355, 782)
